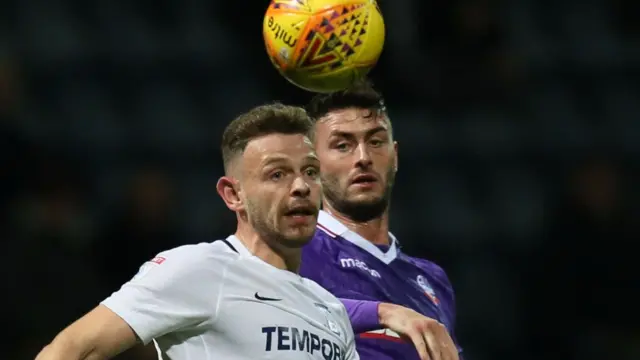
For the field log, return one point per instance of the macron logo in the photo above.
(355, 263)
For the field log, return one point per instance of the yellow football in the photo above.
(323, 45)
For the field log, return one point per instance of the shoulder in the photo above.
(213, 251)
(188, 259)
(426, 265)
(327, 236)
(321, 242)
(319, 255)
(434, 270)
(431, 267)
(322, 239)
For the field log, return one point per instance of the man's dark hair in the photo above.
(262, 120)
(360, 94)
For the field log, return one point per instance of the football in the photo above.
(323, 45)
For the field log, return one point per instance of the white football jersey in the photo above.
(216, 300)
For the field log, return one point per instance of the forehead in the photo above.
(282, 146)
(351, 120)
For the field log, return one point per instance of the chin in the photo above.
(296, 242)
(364, 199)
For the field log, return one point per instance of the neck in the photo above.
(375, 231)
(284, 259)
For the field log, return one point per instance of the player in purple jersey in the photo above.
(352, 253)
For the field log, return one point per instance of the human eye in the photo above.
(376, 142)
(342, 146)
(276, 175)
(312, 172)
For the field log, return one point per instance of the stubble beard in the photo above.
(358, 211)
(268, 230)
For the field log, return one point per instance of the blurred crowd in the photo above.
(519, 131)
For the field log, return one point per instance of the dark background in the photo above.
(519, 131)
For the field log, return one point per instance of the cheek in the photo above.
(316, 189)
(327, 155)
(339, 177)
(334, 168)
(333, 180)
(383, 162)
(261, 199)
(272, 203)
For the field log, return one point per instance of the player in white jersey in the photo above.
(240, 298)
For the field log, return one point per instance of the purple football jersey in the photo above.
(351, 267)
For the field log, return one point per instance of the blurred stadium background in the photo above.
(519, 132)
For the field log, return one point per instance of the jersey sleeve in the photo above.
(350, 338)
(363, 314)
(352, 352)
(177, 290)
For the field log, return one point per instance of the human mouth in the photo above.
(301, 214)
(364, 181)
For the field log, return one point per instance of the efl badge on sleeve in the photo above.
(146, 267)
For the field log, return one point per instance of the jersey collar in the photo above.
(238, 246)
(244, 252)
(333, 227)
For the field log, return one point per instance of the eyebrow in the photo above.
(273, 159)
(370, 132)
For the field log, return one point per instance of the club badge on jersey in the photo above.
(428, 290)
(330, 324)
